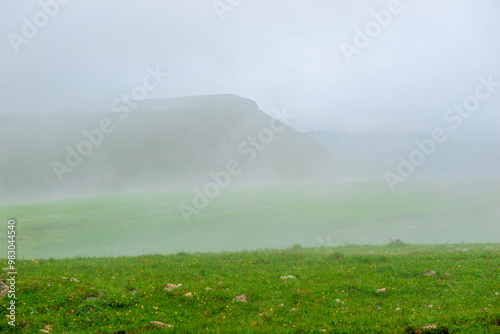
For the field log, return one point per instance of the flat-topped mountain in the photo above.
(158, 143)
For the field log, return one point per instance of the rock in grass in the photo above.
(289, 276)
(46, 329)
(429, 327)
(189, 294)
(171, 286)
(241, 298)
(160, 324)
(4, 288)
(72, 279)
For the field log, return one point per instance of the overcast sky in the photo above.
(287, 53)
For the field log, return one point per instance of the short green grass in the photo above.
(82, 238)
(334, 291)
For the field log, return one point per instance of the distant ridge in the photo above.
(198, 102)
(173, 142)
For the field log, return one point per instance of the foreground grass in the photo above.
(334, 291)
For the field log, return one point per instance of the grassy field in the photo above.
(454, 288)
(253, 218)
(124, 249)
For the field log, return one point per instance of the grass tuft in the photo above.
(397, 242)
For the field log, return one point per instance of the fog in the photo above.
(425, 60)
(365, 100)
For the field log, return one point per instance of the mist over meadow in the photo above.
(225, 125)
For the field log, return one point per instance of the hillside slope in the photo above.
(166, 142)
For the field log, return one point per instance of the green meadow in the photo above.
(330, 214)
(432, 247)
(395, 288)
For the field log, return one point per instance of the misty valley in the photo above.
(230, 166)
(238, 179)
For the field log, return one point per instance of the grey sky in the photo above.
(278, 53)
